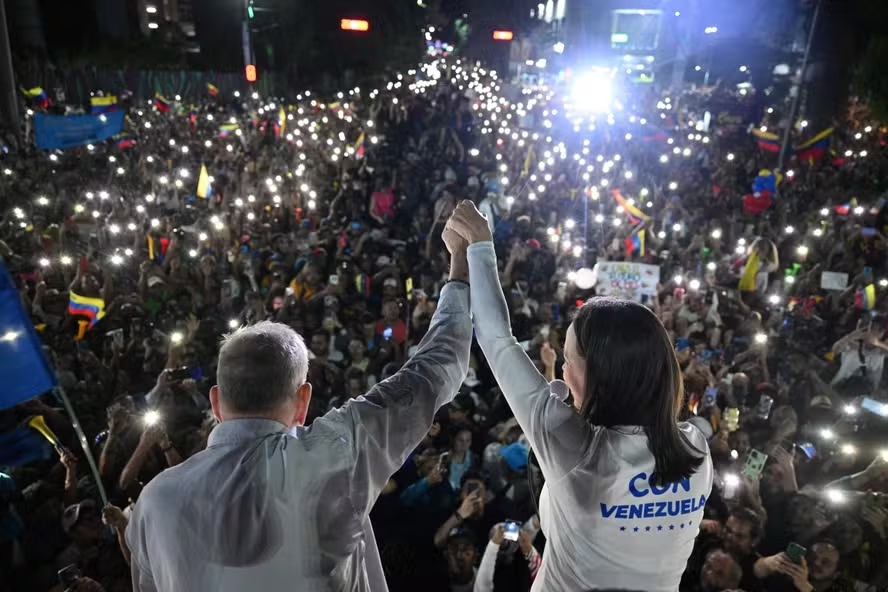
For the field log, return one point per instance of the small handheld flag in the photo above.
(815, 148)
(866, 299)
(360, 147)
(212, 90)
(204, 186)
(635, 215)
(281, 122)
(766, 140)
(161, 103)
(226, 129)
(84, 306)
(38, 95)
(125, 140)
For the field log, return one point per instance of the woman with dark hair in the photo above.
(625, 481)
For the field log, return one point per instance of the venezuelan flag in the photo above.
(360, 147)
(766, 140)
(125, 140)
(38, 95)
(102, 104)
(866, 299)
(212, 90)
(815, 148)
(635, 243)
(161, 103)
(204, 186)
(635, 215)
(83, 306)
(362, 284)
(226, 129)
(845, 208)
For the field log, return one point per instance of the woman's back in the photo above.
(607, 524)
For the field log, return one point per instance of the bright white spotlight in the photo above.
(592, 92)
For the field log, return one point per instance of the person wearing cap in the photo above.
(461, 554)
(82, 524)
(626, 483)
(271, 504)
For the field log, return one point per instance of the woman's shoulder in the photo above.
(694, 435)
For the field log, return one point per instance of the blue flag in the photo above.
(25, 371)
(22, 445)
(66, 131)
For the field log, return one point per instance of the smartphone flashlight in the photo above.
(151, 417)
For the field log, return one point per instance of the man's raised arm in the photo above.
(393, 417)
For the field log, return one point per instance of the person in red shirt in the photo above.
(391, 327)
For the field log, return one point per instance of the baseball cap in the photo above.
(390, 282)
(154, 280)
(73, 513)
(515, 456)
(460, 535)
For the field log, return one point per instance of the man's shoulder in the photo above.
(165, 487)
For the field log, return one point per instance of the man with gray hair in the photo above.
(275, 505)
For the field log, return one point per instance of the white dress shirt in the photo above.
(267, 509)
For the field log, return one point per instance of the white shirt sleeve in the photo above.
(390, 421)
(557, 433)
(484, 577)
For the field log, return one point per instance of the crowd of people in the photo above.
(326, 214)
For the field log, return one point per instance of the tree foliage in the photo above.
(870, 81)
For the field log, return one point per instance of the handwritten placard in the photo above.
(625, 279)
(833, 280)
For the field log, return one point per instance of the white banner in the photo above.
(625, 279)
(833, 280)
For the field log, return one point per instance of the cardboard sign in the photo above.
(626, 279)
(833, 280)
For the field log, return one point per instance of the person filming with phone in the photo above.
(274, 505)
(625, 481)
(475, 513)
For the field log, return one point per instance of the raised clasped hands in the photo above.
(469, 223)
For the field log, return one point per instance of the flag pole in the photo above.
(793, 110)
(84, 443)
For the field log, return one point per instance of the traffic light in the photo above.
(250, 71)
(359, 25)
(503, 35)
(250, 12)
